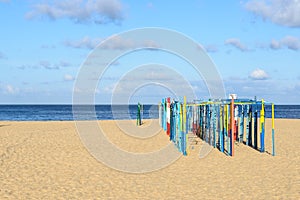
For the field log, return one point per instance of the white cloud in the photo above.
(275, 44)
(290, 42)
(115, 43)
(97, 11)
(85, 42)
(258, 74)
(236, 43)
(282, 12)
(68, 77)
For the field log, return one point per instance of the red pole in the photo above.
(232, 124)
(168, 115)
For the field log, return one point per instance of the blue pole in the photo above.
(215, 126)
(241, 132)
(164, 115)
(247, 125)
(250, 126)
(172, 120)
(273, 131)
(221, 129)
(255, 127)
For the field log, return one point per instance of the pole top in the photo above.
(233, 96)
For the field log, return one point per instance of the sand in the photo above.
(47, 160)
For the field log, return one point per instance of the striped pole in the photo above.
(273, 131)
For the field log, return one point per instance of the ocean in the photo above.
(65, 113)
(104, 112)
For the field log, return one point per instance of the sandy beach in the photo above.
(47, 160)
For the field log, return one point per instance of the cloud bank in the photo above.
(80, 11)
(281, 12)
(115, 43)
(290, 42)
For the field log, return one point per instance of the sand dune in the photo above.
(47, 160)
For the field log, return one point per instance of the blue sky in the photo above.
(255, 46)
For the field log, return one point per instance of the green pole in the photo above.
(138, 117)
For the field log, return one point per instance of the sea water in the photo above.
(106, 112)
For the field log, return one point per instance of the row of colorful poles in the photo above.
(220, 123)
(173, 119)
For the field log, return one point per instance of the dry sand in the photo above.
(46, 160)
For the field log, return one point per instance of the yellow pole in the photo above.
(184, 125)
(262, 114)
(273, 123)
(262, 127)
(184, 113)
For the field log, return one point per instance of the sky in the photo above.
(254, 45)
